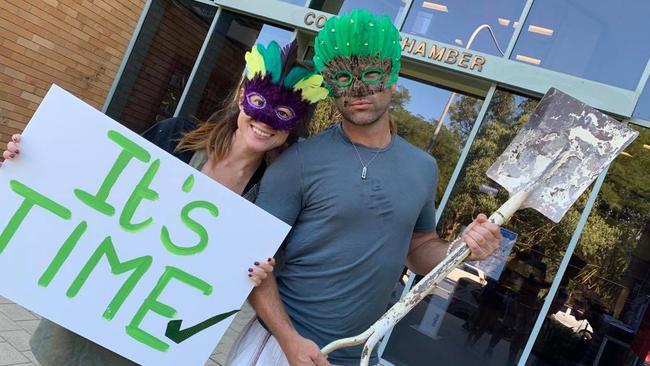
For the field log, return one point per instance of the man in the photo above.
(361, 203)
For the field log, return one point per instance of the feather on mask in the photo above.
(277, 91)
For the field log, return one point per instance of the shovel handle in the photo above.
(423, 288)
(505, 212)
(460, 251)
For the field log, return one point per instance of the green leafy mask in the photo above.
(356, 76)
(358, 54)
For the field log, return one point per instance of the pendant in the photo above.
(363, 173)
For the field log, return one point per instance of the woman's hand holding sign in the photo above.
(13, 148)
(261, 270)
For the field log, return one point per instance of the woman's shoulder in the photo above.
(167, 133)
(170, 127)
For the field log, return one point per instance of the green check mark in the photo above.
(177, 335)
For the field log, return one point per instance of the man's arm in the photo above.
(425, 252)
(281, 195)
(265, 299)
(426, 249)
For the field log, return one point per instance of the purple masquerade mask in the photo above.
(273, 104)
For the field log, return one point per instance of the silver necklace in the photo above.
(365, 166)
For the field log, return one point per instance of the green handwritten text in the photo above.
(31, 198)
(138, 265)
(151, 303)
(130, 150)
(141, 191)
(192, 225)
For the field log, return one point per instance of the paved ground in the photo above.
(17, 324)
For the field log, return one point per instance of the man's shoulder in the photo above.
(321, 140)
(413, 153)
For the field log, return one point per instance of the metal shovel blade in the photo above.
(560, 151)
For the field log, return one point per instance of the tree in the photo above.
(463, 114)
(325, 115)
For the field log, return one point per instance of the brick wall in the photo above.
(77, 44)
(173, 48)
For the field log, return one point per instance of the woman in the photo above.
(265, 113)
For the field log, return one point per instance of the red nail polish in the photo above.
(268, 260)
(250, 275)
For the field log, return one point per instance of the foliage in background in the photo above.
(612, 229)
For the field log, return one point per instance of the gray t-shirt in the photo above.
(350, 235)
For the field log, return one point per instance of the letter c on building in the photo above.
(309, 18)
(320, 21)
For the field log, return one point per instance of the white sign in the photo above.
(109, 236)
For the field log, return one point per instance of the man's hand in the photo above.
(482, 237)
(304, 352)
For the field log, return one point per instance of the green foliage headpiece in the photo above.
(362, 35)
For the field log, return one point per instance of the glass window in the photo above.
(600, 315)
(642, 109)
(599, 40)
(222, 65)
(160, 63)
(392, 8)
(454, 22)
(482, 314)
(423, 116)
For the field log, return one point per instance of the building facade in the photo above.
(573, 293)
(78, 45)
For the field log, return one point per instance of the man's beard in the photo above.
(361, 122)
(360, 119)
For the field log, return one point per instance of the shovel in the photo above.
(564, 146)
